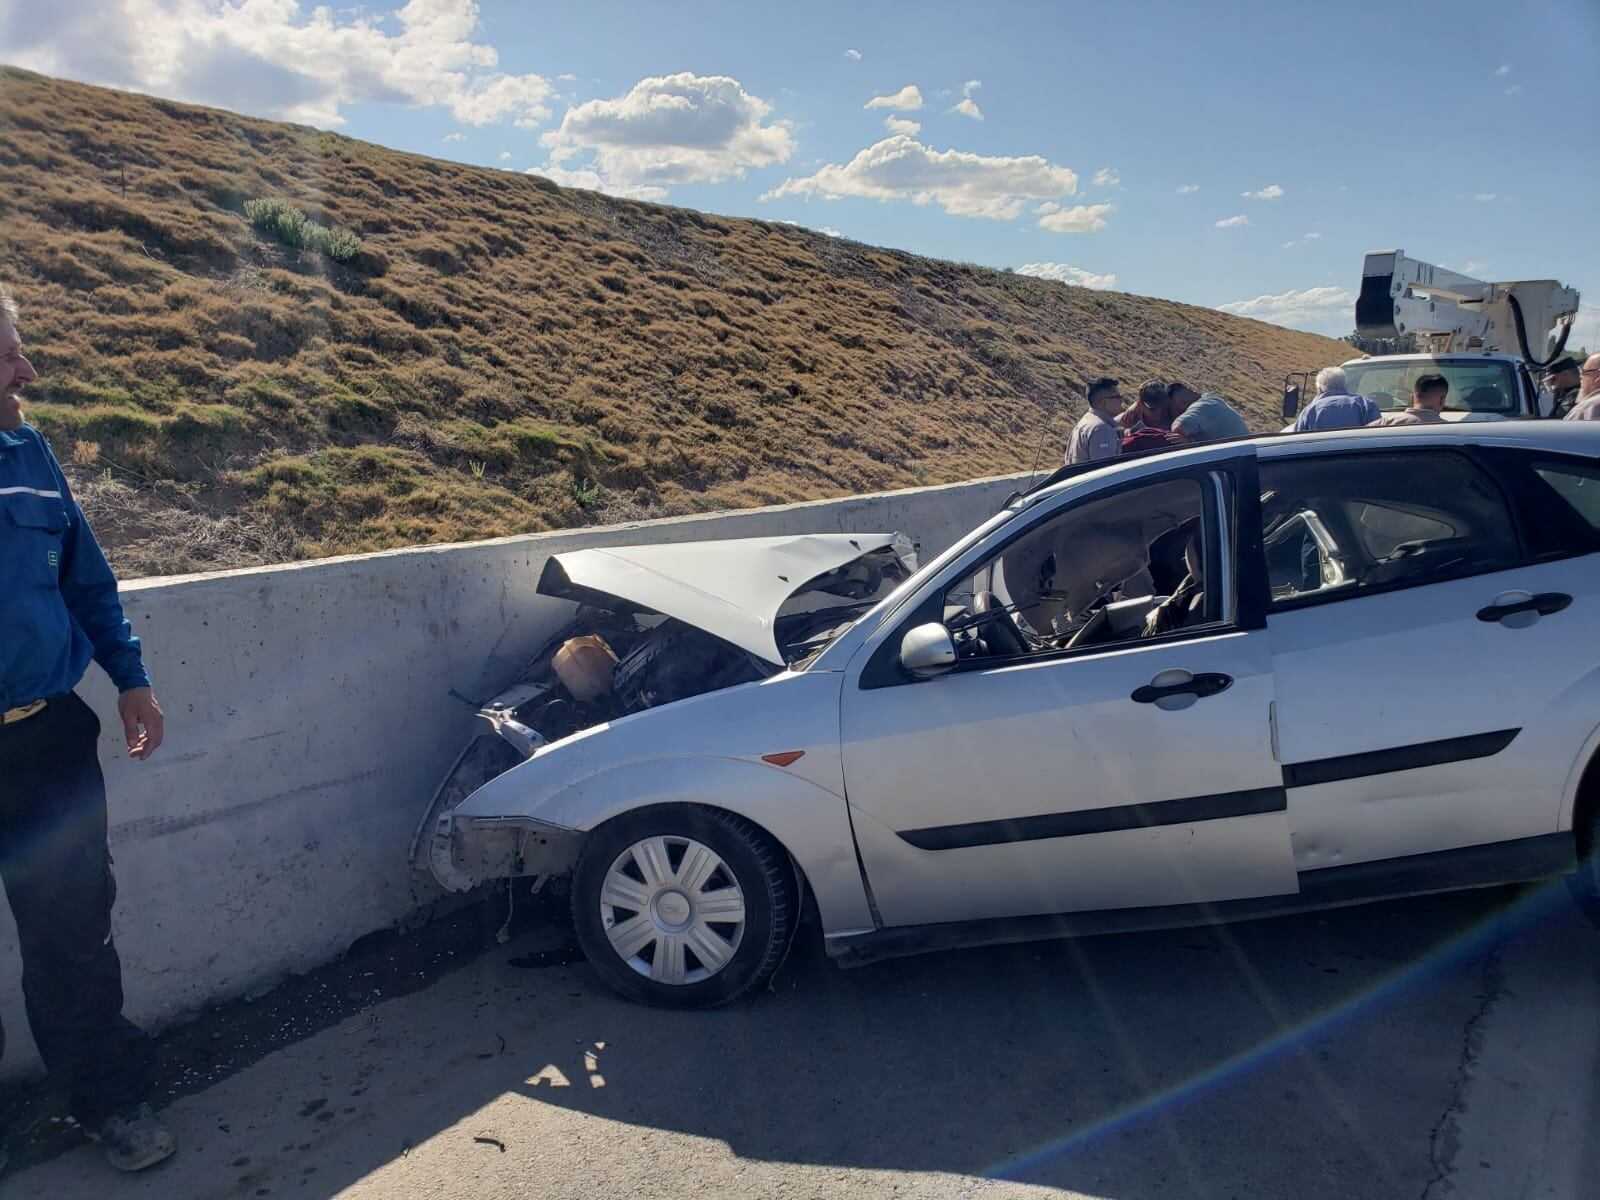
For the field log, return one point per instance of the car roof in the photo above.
(1566, 437)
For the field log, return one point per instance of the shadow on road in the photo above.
(1310, 1056)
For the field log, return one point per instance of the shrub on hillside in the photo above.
(292, 227)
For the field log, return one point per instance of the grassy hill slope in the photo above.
(502, 355)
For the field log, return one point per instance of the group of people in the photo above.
(1164, 414)
(1336, 407)
(1574, 390)
(1171, 414)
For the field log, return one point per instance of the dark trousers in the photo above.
(57, 873)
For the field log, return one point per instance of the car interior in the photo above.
(1135, 565)
(1112, 570)
(1365, 523)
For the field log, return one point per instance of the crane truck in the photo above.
(1487, 339)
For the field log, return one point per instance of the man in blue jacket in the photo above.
(58, 609)
(1335, 407)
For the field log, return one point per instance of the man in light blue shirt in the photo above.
(1335, 407)
(1203, 418)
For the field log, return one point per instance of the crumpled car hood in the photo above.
(733, 588)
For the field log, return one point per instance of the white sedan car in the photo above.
(1225, 682)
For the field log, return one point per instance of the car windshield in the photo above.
(1476, 386)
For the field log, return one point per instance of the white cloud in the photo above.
(1325, 309)
(505, 156)
(585, 177)
(1311, 237)
(902, 125)
(971, 86)
(1081, 218)
(275, 58)
(1503, 69)
(1513, 89)
(966, 107)
(1484, 197)
(1049, 206)
(1474, 267)
(1062, 273)
(1185, 189)
(567, 77)
(853, 55)
(1288, 244)
(1106, 177)
(907, 99)
(1233, 222)
(455, 137)
(1271, 192)
(672, 129)
(962, 183)
(826, 230)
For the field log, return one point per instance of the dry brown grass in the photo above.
(503, 355)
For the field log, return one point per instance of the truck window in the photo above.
(1475, 387)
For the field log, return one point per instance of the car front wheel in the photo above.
(683, 907)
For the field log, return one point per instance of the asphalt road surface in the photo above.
(1432, 1048)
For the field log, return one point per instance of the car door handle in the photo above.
(1181, 689)
(1517, 610)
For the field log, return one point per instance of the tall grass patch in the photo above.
(282, 220)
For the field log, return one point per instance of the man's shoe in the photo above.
(135, 1139)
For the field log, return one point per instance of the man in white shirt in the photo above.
(1588, 406)
(1096, 435)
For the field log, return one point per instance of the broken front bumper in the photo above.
(466, 851)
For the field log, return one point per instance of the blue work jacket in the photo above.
(58, 598)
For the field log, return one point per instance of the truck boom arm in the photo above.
(1447, 311)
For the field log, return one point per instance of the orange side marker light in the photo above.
(783, 759)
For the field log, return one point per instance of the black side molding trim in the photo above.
(1400, 758)
(1185, 811)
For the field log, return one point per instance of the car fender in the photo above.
(707, 750)
(1569, 793)
(1569, 720)
(808, 821)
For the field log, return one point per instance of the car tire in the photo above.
(1584, 883)
(646, 909)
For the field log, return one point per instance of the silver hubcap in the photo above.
(673, 910)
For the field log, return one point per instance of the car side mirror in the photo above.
(927, 651)
(1291, 401)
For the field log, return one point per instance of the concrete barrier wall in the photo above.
(311, 710)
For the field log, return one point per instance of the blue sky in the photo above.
(1104, 142)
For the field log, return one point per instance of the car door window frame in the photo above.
(1230, 499)
(1474, 459)
(1532, 496)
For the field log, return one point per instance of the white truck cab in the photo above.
(1467, 329)
(1483, 387)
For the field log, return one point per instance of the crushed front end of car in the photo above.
(653, 625)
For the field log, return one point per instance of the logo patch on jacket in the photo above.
(53, 557)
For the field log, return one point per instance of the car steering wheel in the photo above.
(1000, 633)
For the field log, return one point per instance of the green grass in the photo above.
(292, 227)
